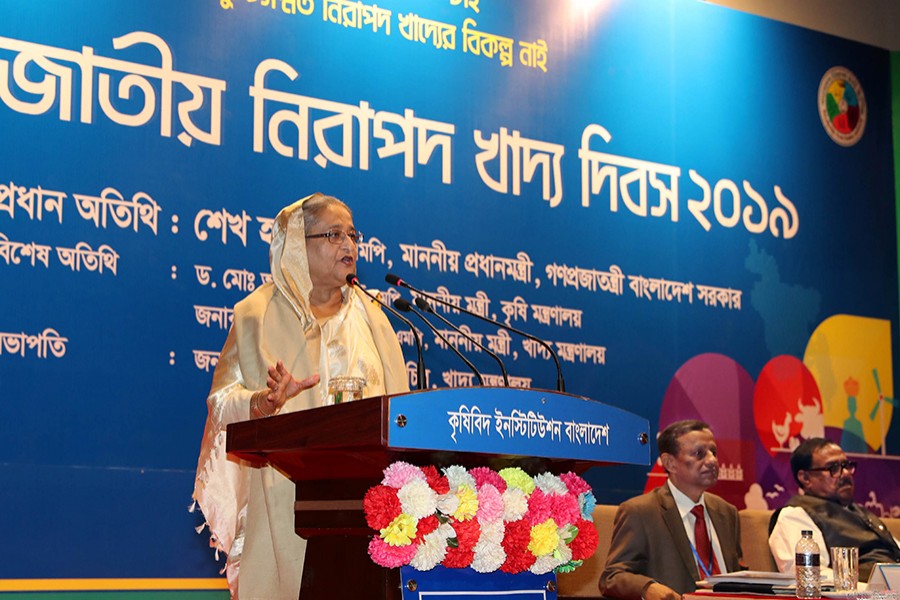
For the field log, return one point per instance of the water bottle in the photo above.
(806, 563)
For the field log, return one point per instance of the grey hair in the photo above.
(316, 205)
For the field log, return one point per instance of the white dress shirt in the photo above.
(684, 505)
(792, 520)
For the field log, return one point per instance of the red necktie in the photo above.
(702, 543)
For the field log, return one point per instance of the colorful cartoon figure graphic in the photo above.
(786, 405)
(880, 408)
(828, 393)
(782, 432)
(852, 437)
(811, 417)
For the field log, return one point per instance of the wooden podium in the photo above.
(334, 454)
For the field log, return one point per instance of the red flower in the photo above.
(585, 543)
(515, 543)
(426, 526)
(381, 506)
(458, 558)
(467, 534)
(435, 480)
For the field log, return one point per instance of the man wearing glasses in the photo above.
(826, 507)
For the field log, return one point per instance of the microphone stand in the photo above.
(423, 305)
(560, 384)
(405, 306)
(421, 383)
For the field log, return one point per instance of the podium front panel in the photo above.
(517, 422)
(538, 430)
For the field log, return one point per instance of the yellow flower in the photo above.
(517, 478)
(468, 503)
(400, 531)
(544, 538)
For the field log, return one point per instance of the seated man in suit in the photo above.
(827, 509)
(679, 533)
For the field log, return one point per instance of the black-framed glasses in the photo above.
(835, 469)
(336, 236)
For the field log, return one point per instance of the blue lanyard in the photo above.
(706, 571)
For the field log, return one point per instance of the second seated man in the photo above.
(666, 540)
(826, 508)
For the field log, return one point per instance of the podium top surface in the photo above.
(535, 429)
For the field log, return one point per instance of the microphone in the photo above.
(560, 384)
(423, 305)
(421, 384)
(402, 304)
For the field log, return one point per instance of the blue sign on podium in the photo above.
(451, 584)
(513, 421)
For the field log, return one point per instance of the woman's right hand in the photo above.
(282, 387)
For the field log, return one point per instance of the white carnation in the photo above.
(458, 476)
(447, 503)
(550, 484)
(565, 554)
(431, 551)
(544, 564)
(491, 533)
(515, 504)
(417, 499)
(489, 556)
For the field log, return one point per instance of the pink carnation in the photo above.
(576, 484)
(400, 473)
(486, 475)
(390, 556)
(539, 507)
(490, 504)
(565, 509)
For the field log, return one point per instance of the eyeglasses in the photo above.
(835, 469)
(337, 236)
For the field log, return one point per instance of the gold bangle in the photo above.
(256, 408)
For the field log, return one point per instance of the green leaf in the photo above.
(569, 566)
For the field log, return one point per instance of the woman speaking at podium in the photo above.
(306, 323)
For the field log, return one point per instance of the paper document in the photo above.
(757, 582)
(763, 577)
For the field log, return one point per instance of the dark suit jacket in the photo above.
(649, 544)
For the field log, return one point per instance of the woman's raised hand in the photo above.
(283, 386)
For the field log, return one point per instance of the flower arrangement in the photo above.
(480, 518)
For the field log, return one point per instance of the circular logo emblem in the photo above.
(842, 106)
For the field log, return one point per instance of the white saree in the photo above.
(250, 510)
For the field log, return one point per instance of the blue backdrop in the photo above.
(640, 183)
